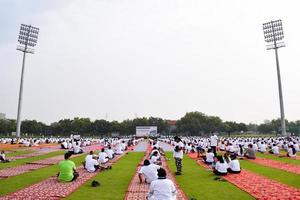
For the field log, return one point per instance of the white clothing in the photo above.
(213, 141)
(221, 167)
(150, 172)
(210, 157)
(102, 157)
(90, 165)
(275, 150)
(178, 154)
(110, 153)
(162, 189)
(234, 165)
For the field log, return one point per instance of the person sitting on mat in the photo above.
(110, 153)
(103, 157)
(291, 151)
(154, 159)
(234, 165)
(274, 150)
(67, 169)
(221, 167)
(91, 164)
(209, 157)
(149, 171)
(250, 153)
(3, 158)
(162, 188)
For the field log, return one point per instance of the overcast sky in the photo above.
(117, 59)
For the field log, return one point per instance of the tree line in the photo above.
(192, 123)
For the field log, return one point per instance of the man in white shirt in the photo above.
(103, 157)
(149, 171)
(110, 153)
(275, 149)
(214, 143)
(178, 154)
(91, 164)
(162, 188)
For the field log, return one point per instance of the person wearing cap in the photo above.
(162, 188)
(178, 154)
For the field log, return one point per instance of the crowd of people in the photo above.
(223, 154)
(93, 161)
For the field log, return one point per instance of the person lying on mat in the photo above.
(67, 169)
(234, 165)
(220, 167)
(149, 171)
(162, 188)
(250, 153)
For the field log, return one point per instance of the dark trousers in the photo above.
(178, 163)
(233, 172)
(75, 176)
(219, 173)
(214, 150)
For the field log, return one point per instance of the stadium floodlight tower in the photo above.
(27, 41)
(273, 33)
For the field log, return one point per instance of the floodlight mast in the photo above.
(27, 40)
(273, 32)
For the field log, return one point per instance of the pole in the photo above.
(282, 117)
(283, 126)
(20, 97)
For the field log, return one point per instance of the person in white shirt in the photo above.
(178, 154)
(214, 143)
(3, 157)
(209, 157)
(110, 153)
(103, 157)
(234, 165)
(91, 163)
(162, 188)
(221, 167)
(154, 158)
(149, 171)
(291, 151)
(275, 150)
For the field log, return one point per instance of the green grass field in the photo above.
(197, 182)
(114, 183)
(281, 159)
(17, 153)
(15, 183)
(31, 159)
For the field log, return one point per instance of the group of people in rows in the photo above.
(230, 150)
(93, 162)
(155, 175)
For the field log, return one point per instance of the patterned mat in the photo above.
(13, 171)
(258, 186)
(277, 164)
(52, 189)
(138, 191)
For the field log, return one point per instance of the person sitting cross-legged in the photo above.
(3, 157)
(149, 171)
(91, 163)
(162, 188)
(67, 169)
(234, 165)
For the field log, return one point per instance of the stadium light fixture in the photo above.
(273, 33)
(27, 39)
